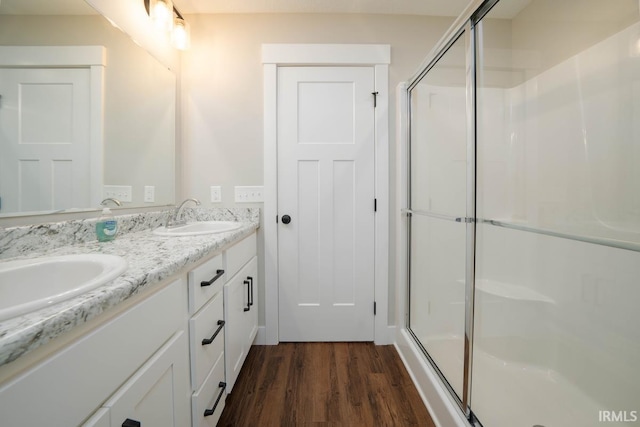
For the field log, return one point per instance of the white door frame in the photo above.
(378, 57)
(93, 58)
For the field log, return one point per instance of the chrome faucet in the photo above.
(175, 218)
(110, 199)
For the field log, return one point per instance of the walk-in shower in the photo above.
(522, 214)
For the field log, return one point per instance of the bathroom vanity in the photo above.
(161, 345)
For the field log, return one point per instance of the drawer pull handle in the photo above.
(208, 412)
(219, 274)
(248, 307)
(251, 293)
(131, 423)
(207, 341)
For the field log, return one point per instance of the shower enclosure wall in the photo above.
(522, 215)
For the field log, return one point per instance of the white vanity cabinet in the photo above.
(119, 370)
(162, 359)
(241, 306)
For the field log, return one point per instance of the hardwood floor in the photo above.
(324, 384)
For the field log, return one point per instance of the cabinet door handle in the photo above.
(208, 412)
(248, 307)
(251, 293)
(131, 423)
(219, 274)
(207, 341)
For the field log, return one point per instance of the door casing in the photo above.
(278, 55)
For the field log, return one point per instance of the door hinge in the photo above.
(375, 99)
(375, 205)
(276, 219)
(374, 308)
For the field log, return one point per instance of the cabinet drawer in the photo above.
(203, 326)
(239, 254)
(211, 272)
(210, 397)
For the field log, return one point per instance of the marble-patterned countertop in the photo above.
(151, 259)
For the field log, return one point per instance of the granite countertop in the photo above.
(151, 259)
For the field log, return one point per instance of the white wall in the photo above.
(222, 82)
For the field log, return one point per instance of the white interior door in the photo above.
(44, 139)
(326, 172)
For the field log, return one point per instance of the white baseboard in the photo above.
(261, 336)
(443, 410)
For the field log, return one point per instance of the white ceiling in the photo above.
(509, 8)
(419, 7)
(402, 7)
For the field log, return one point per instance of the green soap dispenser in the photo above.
(107, 226)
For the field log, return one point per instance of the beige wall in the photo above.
(222, 83)
(552, 30)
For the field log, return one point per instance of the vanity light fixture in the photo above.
(167, 18)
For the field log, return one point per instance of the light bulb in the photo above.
(180, 36)
(162, 14)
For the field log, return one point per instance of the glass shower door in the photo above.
(438, 211)
(556, 337)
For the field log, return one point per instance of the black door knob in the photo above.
(286, 219)
(131, 423)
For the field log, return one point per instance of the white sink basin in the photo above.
(197, 228)
(31, 284)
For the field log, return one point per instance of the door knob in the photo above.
(286, 219)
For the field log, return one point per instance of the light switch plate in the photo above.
(249, 194)
(120, 192)
(216, 193)
(149, 193)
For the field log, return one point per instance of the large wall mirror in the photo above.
(74, 131)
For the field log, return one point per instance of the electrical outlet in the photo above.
(251, 194)
(120, 192)
(216, 194)
(149, 193)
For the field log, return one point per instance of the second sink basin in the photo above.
(31, 284)
(197, 228)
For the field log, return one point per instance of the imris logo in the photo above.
(618, 416)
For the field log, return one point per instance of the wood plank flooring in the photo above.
(324, 384)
